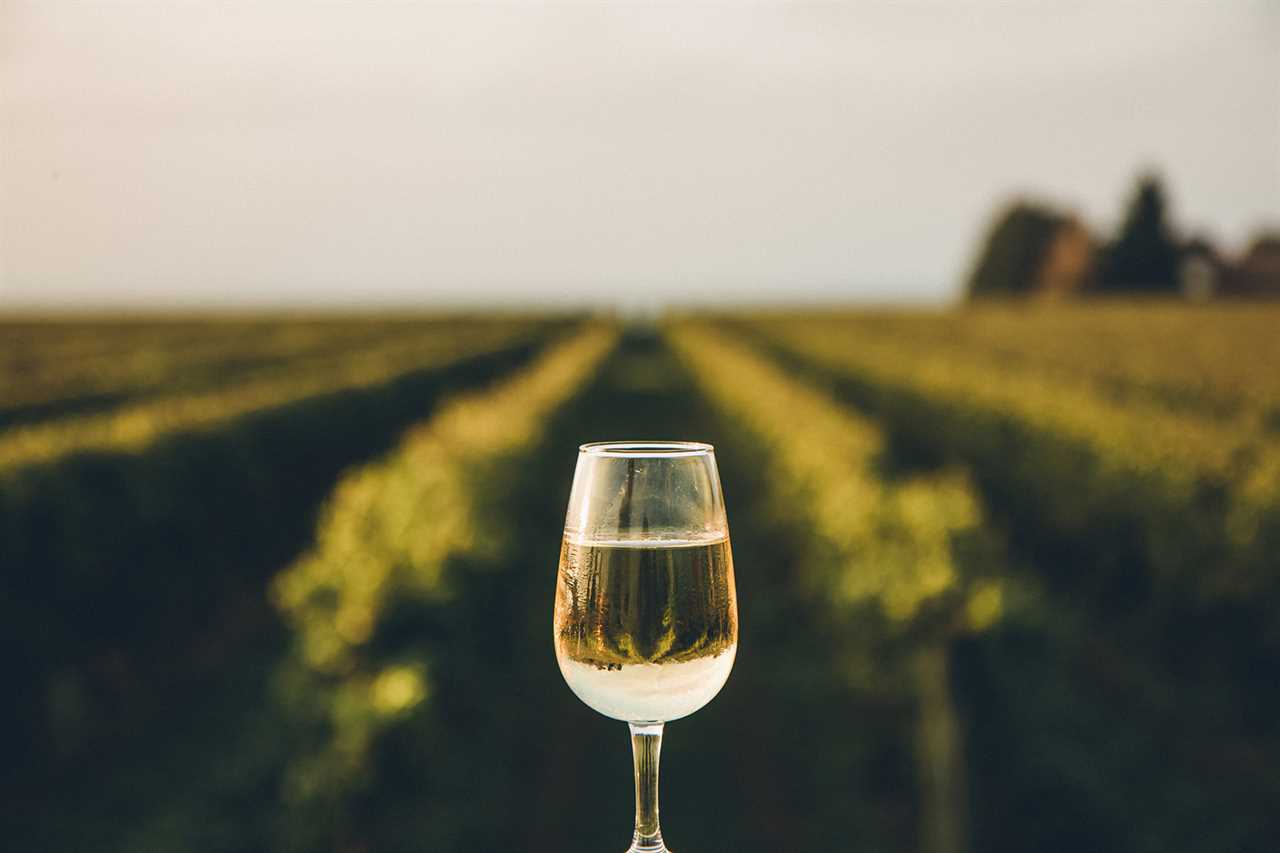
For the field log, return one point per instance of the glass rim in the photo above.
(646, 449)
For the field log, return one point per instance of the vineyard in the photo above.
(1008, 580)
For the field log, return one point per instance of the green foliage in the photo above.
(905, 560)
(1163, 494)
(1144, 256)
(891, 541)
(1149, 538)
(363, 601)
(171, 512)
(135, 424)
(59, 367)
(1013, 251)
(1036, 544)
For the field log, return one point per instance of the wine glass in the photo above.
(646, 616)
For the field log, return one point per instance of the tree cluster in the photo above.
(1034, 248)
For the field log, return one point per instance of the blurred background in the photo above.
(306, 306)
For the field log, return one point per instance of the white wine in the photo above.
(646, 630)
(646, 616)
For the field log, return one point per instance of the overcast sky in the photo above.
(276, 153)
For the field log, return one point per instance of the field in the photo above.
(1008, 580)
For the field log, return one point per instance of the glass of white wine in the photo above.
(646, 615)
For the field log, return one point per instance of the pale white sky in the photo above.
(377, 153)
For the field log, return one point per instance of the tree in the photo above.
(1015, 248)
(1144, 256)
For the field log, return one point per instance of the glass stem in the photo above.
(646, 749)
